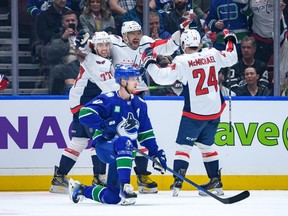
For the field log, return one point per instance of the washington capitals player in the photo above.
(95, 77)
(197, 69)
(120, 121)
(128, 51)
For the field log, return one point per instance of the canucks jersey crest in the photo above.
(128, 127)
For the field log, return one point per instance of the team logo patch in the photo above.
(131, 122)
(117, 109)
(129, 127)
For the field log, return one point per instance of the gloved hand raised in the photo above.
(82, 39)
(230, 39)
(185, 25)
(189, 19)
(160, 156)
(109, 128)
(229, 36)
(148, 57)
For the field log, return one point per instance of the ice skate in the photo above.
(99, 179)
(146, 185)
(214, 185)
(59, 183)
(76, 191)
(128, 196)
(176, 187)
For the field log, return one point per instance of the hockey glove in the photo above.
(109, 128)
(185, 24)
(3, 82)
(161, 158)
(163, 61)
(230, 39)
(82, 39)
(148, 57)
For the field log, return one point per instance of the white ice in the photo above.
(188, 203)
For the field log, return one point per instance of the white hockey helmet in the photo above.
(101, 37)
(190, 38)
(130, 26)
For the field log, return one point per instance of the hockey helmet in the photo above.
(125, 72)
(101, 37)
(190, 38)
(130, 26)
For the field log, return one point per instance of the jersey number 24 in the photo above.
(211, 81)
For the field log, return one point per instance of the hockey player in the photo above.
(95, 77)
(128, 50)
(120, 121)
(197, 69)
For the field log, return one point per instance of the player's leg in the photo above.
(77, 144)
(210, 157)
(188, 132)
(180, 165)
(124, 150)
(98, 193)
(145, 184)
(118, 153)
(67, 161)
(99, 167)
(99, 170)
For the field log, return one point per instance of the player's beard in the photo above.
(135, 44)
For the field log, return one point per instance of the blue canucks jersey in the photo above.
(130, 116)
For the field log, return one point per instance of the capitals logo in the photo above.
(128, 127)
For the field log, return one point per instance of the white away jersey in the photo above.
(95, 77)
(199, 74)
(121, 53)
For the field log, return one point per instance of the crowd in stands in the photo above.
(57, 23)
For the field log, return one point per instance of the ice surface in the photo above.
(188, 203)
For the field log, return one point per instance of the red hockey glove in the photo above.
(185, 25)
(230, 39)
(3, 82)
(189, 16)
(148, 57)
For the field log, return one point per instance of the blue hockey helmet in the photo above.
(125, 72)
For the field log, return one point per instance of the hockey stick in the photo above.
(229, 74)
(241, 196)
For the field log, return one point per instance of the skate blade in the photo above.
(145, 190)
(175, 192)
(216, 191)
(71, 185)
(59, 189)
(129, 201)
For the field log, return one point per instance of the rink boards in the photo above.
(253, 155)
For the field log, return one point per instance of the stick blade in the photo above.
(239, 197)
